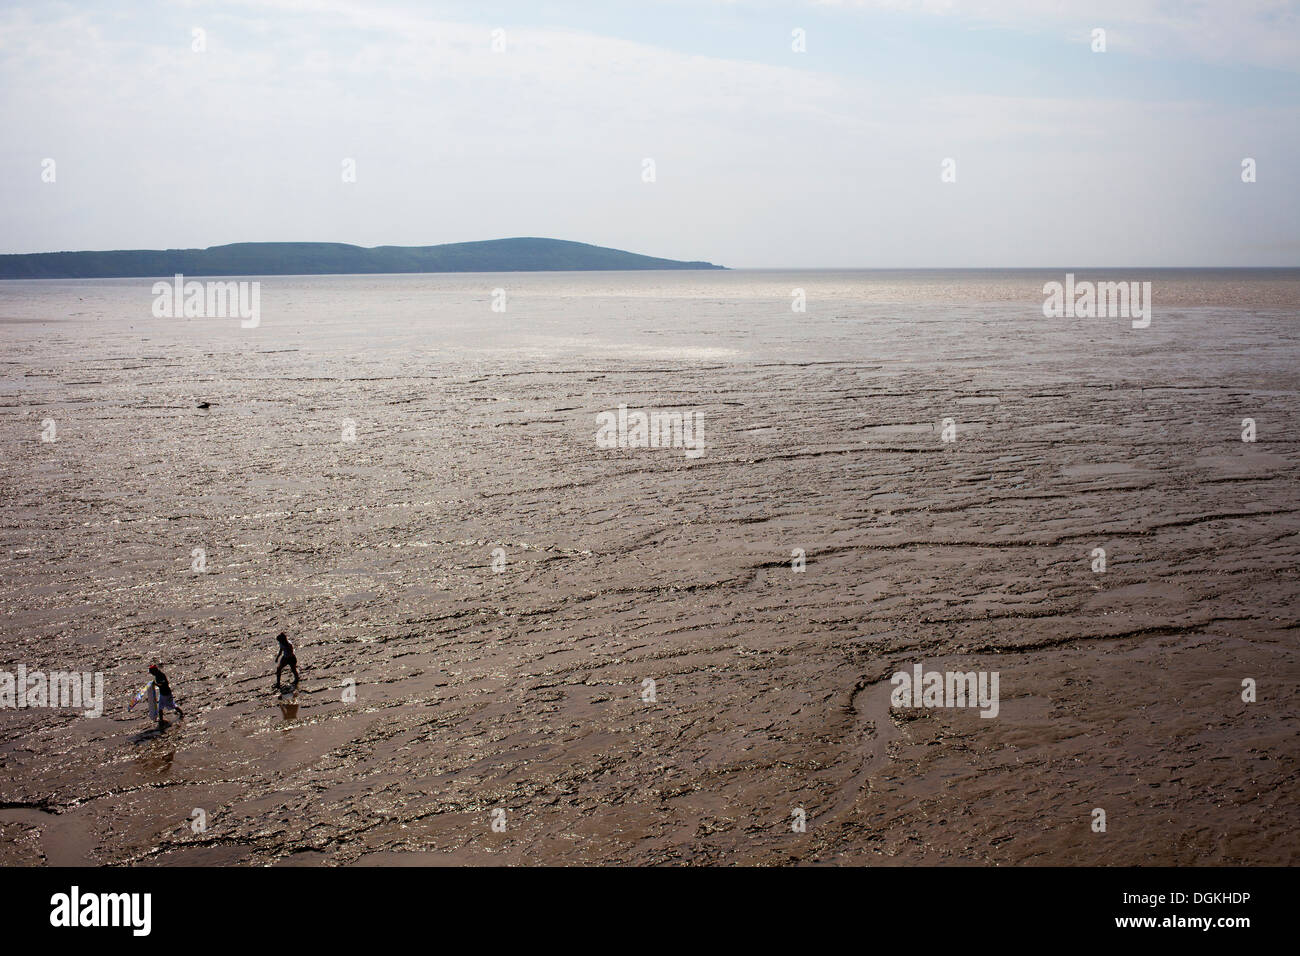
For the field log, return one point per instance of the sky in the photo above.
(484, 120)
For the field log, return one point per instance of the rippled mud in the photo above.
(523, 687)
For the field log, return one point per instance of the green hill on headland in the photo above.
(333, 258)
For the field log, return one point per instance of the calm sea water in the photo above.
(708, 316)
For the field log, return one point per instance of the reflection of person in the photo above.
(285, 658)
(164, 689)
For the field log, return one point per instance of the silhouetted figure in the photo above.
(285, 658)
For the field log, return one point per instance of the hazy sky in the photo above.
(763, 156)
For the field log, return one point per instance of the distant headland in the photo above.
(334, 258)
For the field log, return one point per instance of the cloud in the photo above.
(1255, 32)
(757, 163)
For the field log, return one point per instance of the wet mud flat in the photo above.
(521, 695)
